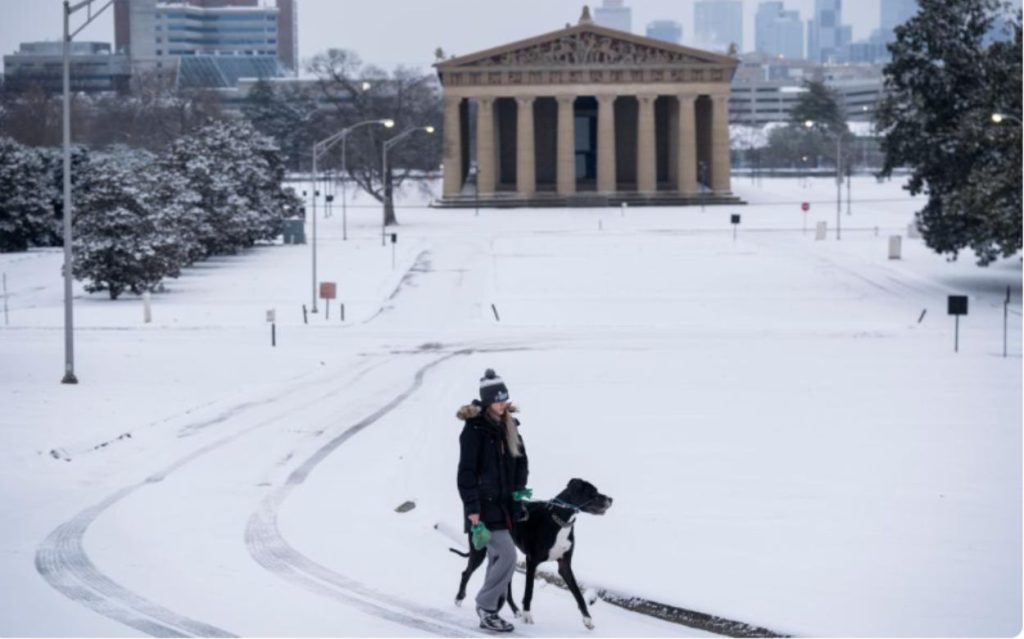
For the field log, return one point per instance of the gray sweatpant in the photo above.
(501, 563)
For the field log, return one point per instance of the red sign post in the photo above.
(328, 291)
(805, 206)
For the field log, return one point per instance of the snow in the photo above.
(786, 444)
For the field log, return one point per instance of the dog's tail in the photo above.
(459, 552)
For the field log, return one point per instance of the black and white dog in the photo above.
(549, 534)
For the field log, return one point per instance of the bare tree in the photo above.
(407, 96)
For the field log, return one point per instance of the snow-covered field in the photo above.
(786, 443)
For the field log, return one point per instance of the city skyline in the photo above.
(323, 24)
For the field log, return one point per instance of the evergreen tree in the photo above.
(236, 173)
(820, 105)
(946, 78)
(25, 216)
(119, 245)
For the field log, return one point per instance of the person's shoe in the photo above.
(491, 621)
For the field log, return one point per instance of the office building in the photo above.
(94, 68)
(666, 31)
(718, 24)
(224, 37)
(827, 36)
(778, 32)
(614, 15)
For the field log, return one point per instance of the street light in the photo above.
(69, 341)
(388, 123)
(839, 176)
(319, 148)
(384, 173)
(999, 117)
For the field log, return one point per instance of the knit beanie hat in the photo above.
(492, 388)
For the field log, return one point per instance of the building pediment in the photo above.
(588, 45)
(586, 53)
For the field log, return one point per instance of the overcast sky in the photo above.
(392, 32)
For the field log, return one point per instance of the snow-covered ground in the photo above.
(786, 443)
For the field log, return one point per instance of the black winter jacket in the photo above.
(488, 473)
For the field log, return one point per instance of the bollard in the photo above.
(147, 309)
(623, 209)
(7, 321)
(895, 244)
(342, 312)
(820, 230)
(305, 316)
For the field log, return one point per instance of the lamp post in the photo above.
(319, 148)
(839, 175)
(386, 195)
(999, 117)
(388, 123)
(69, 340)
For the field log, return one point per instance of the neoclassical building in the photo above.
(586, 115)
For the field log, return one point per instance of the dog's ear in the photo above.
(575, 481)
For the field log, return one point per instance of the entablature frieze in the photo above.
(584, 75)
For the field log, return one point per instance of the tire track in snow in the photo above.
(269, 548)
(62, 561)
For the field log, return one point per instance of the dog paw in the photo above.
(518, 614)
(527, 617)
(458, 602)
(588, 622)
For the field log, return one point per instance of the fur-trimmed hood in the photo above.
(471, 410)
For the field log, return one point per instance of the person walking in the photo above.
(492, 475)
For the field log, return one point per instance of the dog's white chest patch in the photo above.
(561, 545)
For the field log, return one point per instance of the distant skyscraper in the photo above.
(778, 32)
(826, 34)
(718, 24)
(665, 30)
(614, 15)
(896, 12)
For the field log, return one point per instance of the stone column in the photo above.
(485, 148)
(526, 158)
(687, 145)
(646, 151)
(606, 179)
(720, 162)
(565, 169)
(452, 157)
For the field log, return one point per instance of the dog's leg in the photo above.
(565, 570)
(531, 574)
(511, 601)
(476, 557)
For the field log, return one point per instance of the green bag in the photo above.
(480, 535)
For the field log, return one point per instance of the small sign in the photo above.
(328, 290)
(958, 305)
(895, 247)
(735, 218)
(394, 238)
(330, 198)
(806, 206)
(271, 315)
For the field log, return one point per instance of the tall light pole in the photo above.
(384, 173)
(319, 148)
(69, 340)
(388, 123)
(839, 175)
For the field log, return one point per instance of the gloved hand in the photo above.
(522, 494)
(480, 535)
